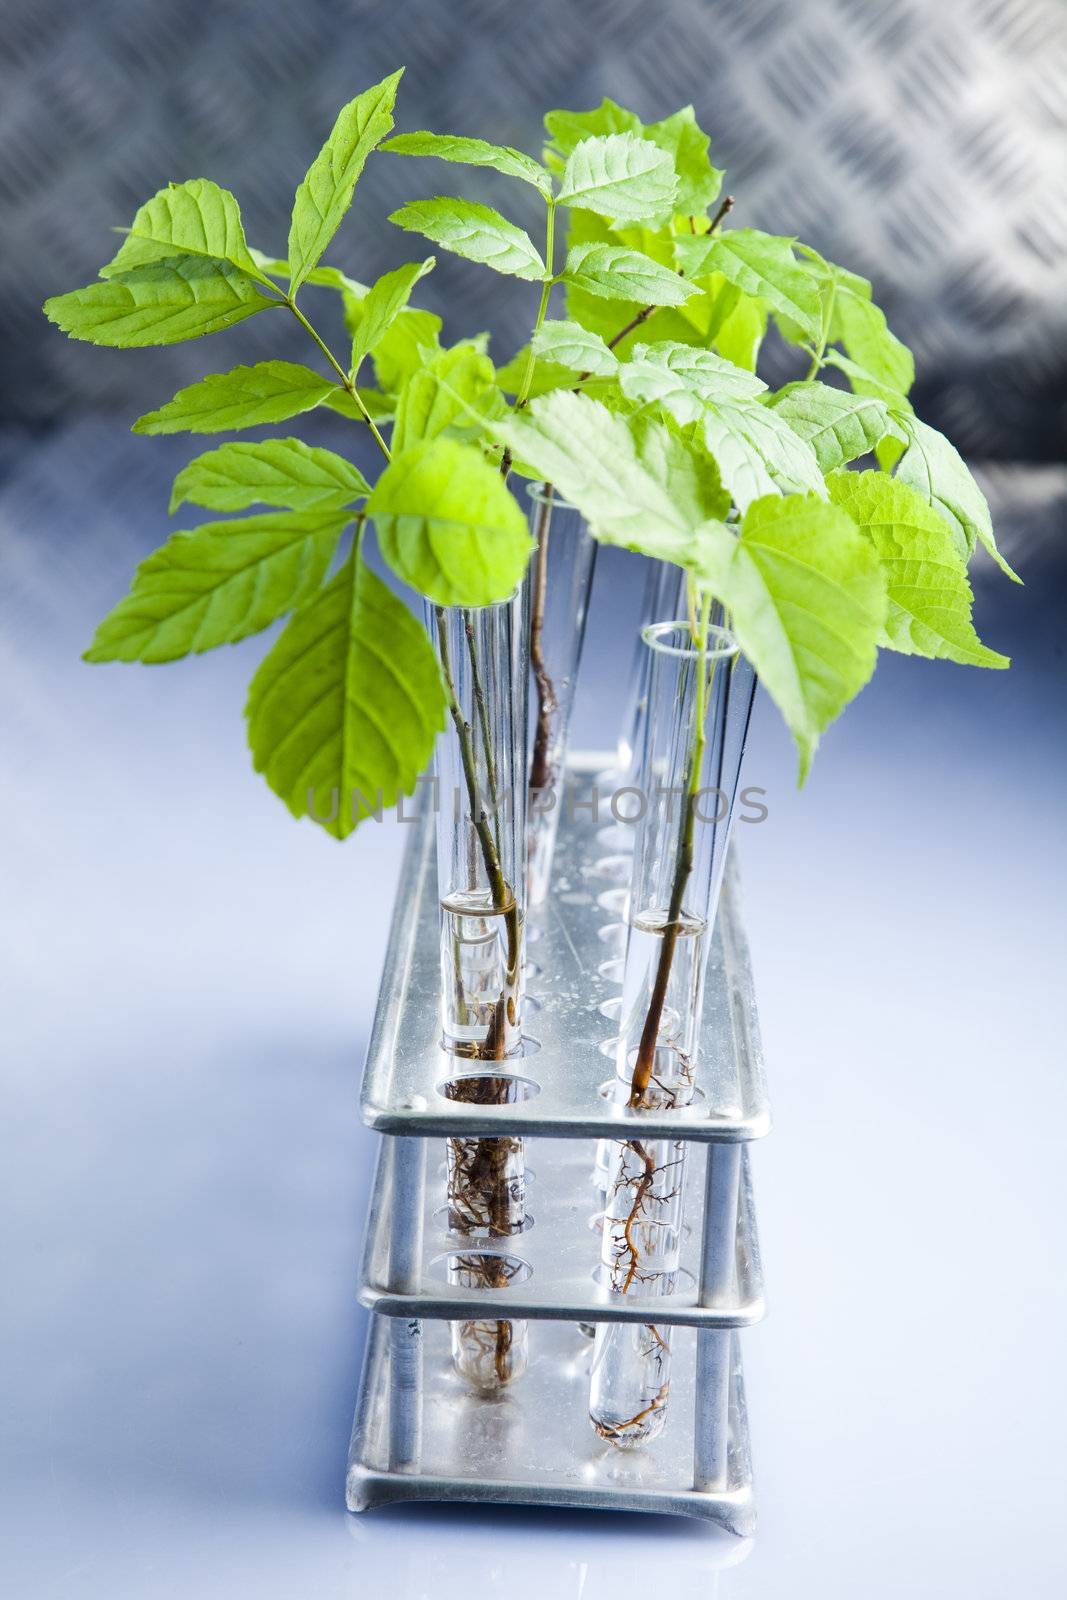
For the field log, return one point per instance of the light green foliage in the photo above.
(568, 128)
(447, 524)
(476, 232)
(685, 379)
(165, 302)
(699, 183)
(761, 265)
(567, 345)
(758, 453)
(642, 406)
(454, 390)
(195, 218)
(807, 600)
(619, 176)
(930, 598)
(473, 153)
(382, 304)
(839, 426)
(637, 487)
(864, 382)
(271, 391)
(347, 704)
(936, 469)
(326, 192)
(274, 472)
(616, 273)
(219, 583)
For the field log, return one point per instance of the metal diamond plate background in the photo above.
(923, 144)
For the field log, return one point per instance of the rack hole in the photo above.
(489, 1088)
(481, 1269)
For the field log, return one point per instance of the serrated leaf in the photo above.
(807, 601)
(864, 382)
(326, 192)
(274, 472)
(448, 526)
(839, 426)
(246, 397)
(619, 176)
(568, 128)
(381, 306)
(453, 389)
(638, 485)
(472, 153)
(761, 265)
(758, 453)
(616, 273)
(547, 375)
(476, 232)
(861, 327)
(684, 379)
(699, 183)
(936, 469)
(183, 297)
(218, 583)
(930, 598)
(567, 345)
(346, 706)
(193, 218)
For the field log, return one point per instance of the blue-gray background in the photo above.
(189, 976)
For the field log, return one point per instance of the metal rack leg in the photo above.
(405, 1334)
(714, 1345)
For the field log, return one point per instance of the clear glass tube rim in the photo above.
(542, 494)
(722, 644)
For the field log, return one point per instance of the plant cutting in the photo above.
(823, 520)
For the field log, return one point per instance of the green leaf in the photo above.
(546, 374)
(381, 306)
(184, 297)
(839, 426)
(616, 273)
(684, 379)
(455, 387)
(219, 583)
(568, 128)
(930, 598)
(861, 327)
(271, 391)
(346, 706)
(448, 526)
(807, 600)
(936, 469)
(412, 338)
(473, 153)
(474, 231)
(761, 265)
(326, 192)
(864, 382)
(758, 453)
(566, 344)
(274, 472)
(195, 218)
(619, 176)
(637, 484)
(699, 183)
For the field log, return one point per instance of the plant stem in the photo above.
(546, 290)
(547, 701)
(827, 321)
(683, 867)
(346, 381)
